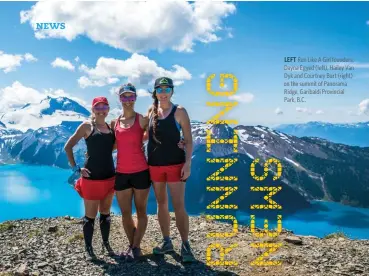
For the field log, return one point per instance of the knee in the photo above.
(162, 202)
(141, 212)
(179, 207)
(126, 215)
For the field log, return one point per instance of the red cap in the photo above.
(100, 100)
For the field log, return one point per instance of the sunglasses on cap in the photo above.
(127, 88)
(101, 108)
(160, 90)
(125, 99)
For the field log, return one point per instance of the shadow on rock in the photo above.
(150, 264)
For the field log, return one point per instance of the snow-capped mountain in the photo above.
(45, 146)
(313, 168)
(316, 168)
(355, 134)
(7, 138)
(49, 112)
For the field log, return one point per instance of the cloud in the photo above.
(352, 113)
(17, 95)
(303, 110)
(367, 22)
(137, 69)
(18, 189)
(143, 93)
(66, 64)
(134, 26)
(278, 111)
(76, 59)
(61, 93)
(202, 76)
(358, 65)
(114, 90)
(364, 107)
(23, 192)
(319, 112)
(30, 58)
(243, 97)
(9, 62)
(21, 107)
(114, 113)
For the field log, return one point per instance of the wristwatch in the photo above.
(76, 168)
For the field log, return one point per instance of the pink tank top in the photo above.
(131, 157)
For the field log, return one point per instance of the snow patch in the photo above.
(243, 135)
(291, 161)
(260, 129)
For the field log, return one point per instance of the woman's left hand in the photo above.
(181, 144)
(186, 171)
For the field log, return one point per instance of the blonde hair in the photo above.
(92, 118)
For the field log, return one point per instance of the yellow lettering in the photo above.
(266, 228)
(222, 253)
(273, 247)
(216, 118)
(210, 141)
(272, 191)
(223, 235)
(228, 191)
(266, 169)
(228, 162)
(222, 77)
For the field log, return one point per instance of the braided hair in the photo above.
(155, 116)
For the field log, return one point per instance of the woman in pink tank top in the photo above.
(132, 172)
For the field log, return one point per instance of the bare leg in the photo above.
(105, 204)
(160, 190)
(177, 192)
(125, 203)
(140, 197)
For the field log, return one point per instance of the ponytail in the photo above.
(93, 118)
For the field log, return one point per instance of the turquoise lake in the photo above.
(41, 191)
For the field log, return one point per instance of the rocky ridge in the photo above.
(54, 246)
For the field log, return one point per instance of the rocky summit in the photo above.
(54, 246)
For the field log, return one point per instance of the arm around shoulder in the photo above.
(144, 121)
(112, 123)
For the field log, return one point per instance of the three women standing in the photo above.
(168, 165)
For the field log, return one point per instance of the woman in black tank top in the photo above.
(169, 164)
(96, 184)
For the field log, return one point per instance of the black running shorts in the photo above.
(139, 180)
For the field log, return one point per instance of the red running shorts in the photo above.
(95, 189)
(170, 173)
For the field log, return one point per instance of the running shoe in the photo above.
(124, 254)
(134, 254)
(89, 254)
(186, 253)
(163, 247)
(106, 246)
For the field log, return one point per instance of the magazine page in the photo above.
(184, 138)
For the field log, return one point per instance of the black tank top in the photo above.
(100, 154)
(167, 152)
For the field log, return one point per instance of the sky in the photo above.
(106, 44)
